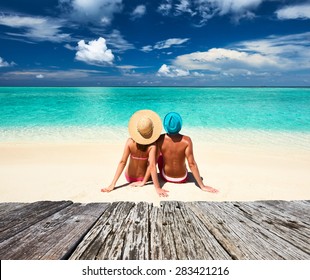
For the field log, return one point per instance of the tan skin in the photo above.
(138, 168)
(176, 148)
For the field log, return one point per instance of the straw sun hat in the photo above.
(145, 127)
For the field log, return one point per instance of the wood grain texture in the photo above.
(266, 230)
(18, 217)
(244, 237)
(54, 237)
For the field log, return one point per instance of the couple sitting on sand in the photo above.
(147, 146)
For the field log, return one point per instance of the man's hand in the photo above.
(209, 189)
(161, 192)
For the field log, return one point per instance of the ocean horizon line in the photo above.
(150, 86)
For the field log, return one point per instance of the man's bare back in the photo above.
(173, 149)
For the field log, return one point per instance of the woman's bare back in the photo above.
(138, 160)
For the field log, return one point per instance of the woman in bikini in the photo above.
(144, 128)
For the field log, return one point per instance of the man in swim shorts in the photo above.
(175, 149)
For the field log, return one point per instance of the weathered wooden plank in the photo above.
(243, 238)
(114, 235)
(125, 236)
(267, 241)
(299, 209)
(178, 235)
(205, 245)
(137, 241)
(103, 241)
(185, 246)
(214, 224)
(168, 241)
(176, 230)
(156, 234)
(54, 237)
(188, 240)
(21, 218)
(115, 238)
(6, 207)
(284, 225)
(89, 245)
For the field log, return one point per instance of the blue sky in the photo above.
(154, 43)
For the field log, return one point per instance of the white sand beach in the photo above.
(77, 171)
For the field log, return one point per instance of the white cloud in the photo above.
(117, 41)
(294, 12)
(170, 42)
(165, 44)
(165, 8)
(95, 52)
(99, 11)
(36, 28)
(20, 21)
(217, 59)
(184, 6)
(128, 67)
(72, 74)
(234, 6)
(198, 74)
(249, 58)
(204, 10)
(105, 21)
(171, 71)
(5, 64)
(138, 12)
(69, 47)
(147, 48)
(291, 51)
(129, 70)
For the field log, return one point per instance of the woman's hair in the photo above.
(142, 147)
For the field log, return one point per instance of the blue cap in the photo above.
(172, 123)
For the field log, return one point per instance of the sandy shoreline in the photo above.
(75, 171)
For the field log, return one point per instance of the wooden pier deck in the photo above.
(176, 230)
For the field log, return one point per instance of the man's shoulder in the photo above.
(178, 137)
(160, 140)
(186, 138)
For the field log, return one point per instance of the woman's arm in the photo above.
(153, 171)
(120, 167)
(148, 171)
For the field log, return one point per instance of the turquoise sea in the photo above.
(91, 114)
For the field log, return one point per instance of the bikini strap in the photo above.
(138, 158)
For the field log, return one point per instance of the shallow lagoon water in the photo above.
(101, 114)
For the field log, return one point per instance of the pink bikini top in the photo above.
(138, 158)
